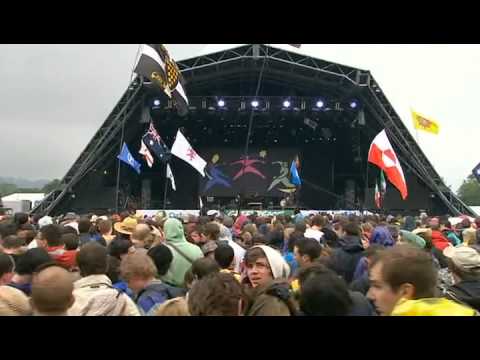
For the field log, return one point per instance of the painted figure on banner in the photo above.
(215, 175)
(282, 178)
(247, 167)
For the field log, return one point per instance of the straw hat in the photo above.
(127, 226)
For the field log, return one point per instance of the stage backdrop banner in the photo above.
(264, 172)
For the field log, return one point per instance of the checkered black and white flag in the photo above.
(155, 64)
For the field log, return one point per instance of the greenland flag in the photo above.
(381, 154)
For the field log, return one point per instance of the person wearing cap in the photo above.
(265, 276)
(464, 263)
(126, 227)
(212, 214)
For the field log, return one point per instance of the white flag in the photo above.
(146, 153)
(170, 176)
(182, 149)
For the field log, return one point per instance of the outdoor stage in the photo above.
(287, 106)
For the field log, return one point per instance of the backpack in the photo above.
(156, 294)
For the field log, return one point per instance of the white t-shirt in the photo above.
(314, 234)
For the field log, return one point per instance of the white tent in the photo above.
(24, 196)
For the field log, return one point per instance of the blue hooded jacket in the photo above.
(381, 236)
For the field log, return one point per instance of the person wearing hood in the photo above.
(94, 294)
(344, 259)
(382, 236)
(184, 253)
(239, 252)
(464, 263)
(265, 276)
(412, 239)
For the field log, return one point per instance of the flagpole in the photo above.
(366, 187)
(166, 188)
(250, 122)
(117, 189)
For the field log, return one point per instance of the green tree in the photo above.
(52, 185)
(469, 191)
(7, 189)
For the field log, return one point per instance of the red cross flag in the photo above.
(182, 149)
(381, 154)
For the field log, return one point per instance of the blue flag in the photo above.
(295, 176)
(127, 158)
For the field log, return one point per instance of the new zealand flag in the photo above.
(155, 143)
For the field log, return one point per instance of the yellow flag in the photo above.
(423, 123)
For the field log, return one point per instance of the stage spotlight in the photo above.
(156, 102)
(221, 103)
(320, 104)
(255, 103)
(353, 104)
(286, 104)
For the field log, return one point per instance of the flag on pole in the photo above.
(294, 173)
(421, 122)
(182, 149)
(170, 176)
(377, 196)
(380, 190)
(383, 184)
(146, 154)
(381, 153)
(127, 158)
(155, 143)
(155, 64)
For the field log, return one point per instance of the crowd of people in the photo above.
(218, 265)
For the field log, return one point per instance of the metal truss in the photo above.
(238, 62)
(102, 143)
(413, 155)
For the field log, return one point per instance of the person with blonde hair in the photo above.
(174, 307)
(139, 271)
(13, 302)
(469, 236)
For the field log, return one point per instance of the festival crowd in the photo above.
(218, 265)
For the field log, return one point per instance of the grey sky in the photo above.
(53, 98)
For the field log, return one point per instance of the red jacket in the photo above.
(64, 258)
(439, 240)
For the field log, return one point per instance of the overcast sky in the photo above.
(53, 98)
